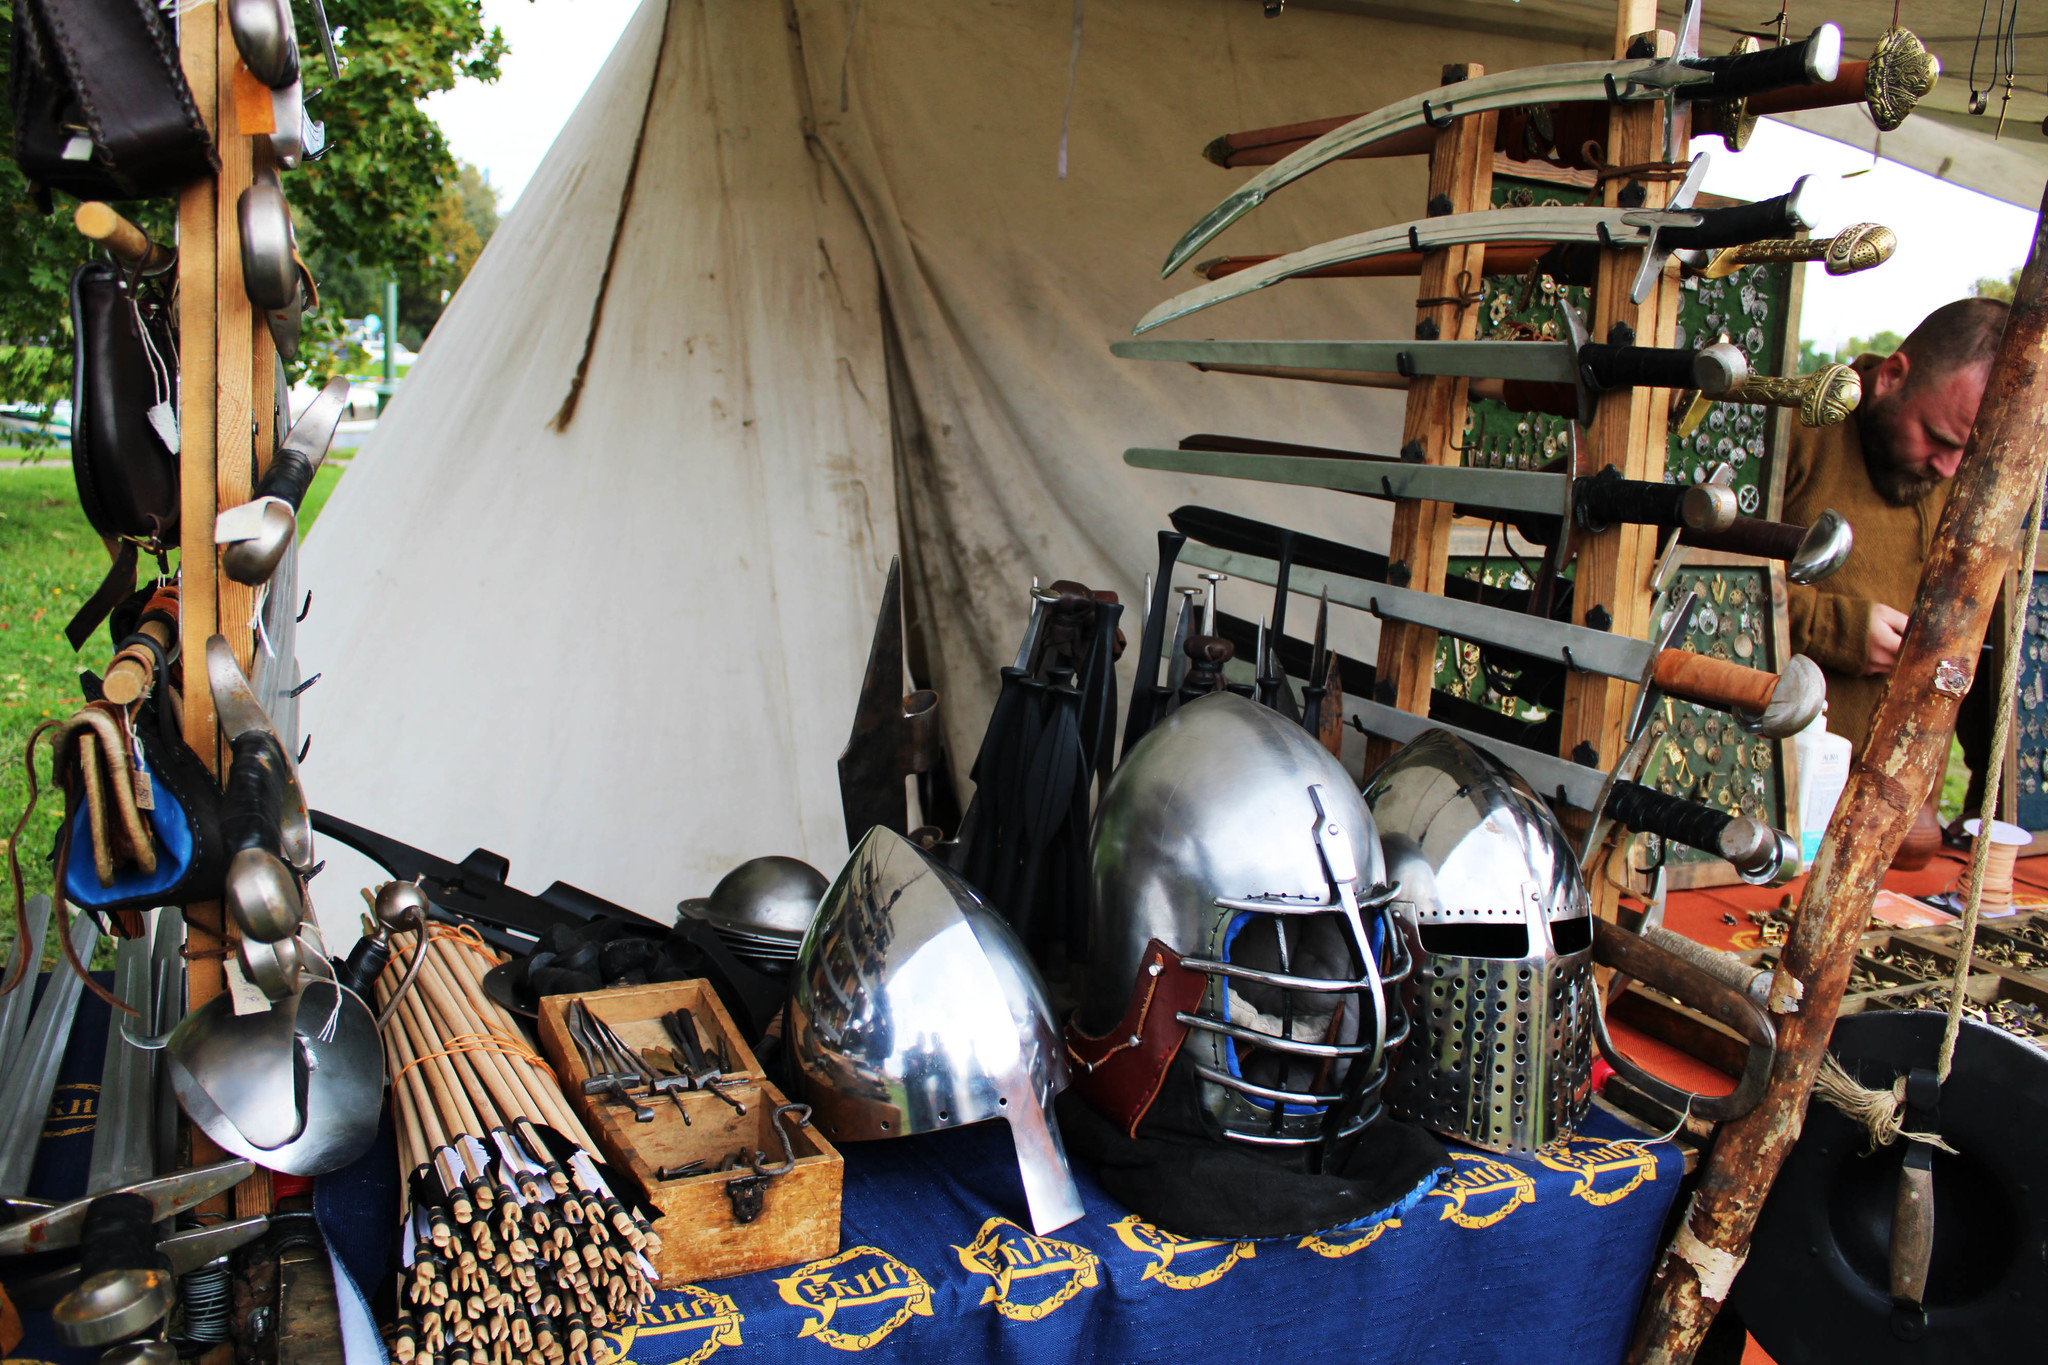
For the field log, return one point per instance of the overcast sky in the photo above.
(1948, 237)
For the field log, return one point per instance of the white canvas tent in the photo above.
(849, 307)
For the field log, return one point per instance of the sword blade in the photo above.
(1573, 783)
(1500, 489)
(1591, 651)
(33, 1076)
(1543, 225)
(121, 1149)
(1562, 82)
(1548, 362)
(14, 1009)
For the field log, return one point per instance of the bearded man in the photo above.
(1887, 470)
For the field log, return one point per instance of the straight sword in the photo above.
(1589, 368)
(1763, 855)
(32, 1073)
(1769, 704)
(1706, 514)
(1685, 76)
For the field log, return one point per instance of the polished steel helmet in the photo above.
(761, 909)
(914, 1008)
(1234, 839)
(1503, 934)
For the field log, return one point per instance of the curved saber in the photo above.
(1683, 76)
(1563, 82)
(1490, 227)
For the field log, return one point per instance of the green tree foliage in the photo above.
(376, 203)
(1812, 357)
(1997, 289)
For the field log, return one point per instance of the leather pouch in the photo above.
(124, 365)
(101, 107)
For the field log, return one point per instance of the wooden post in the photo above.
(1460, 181)
(221, 348)
(1974, 547)
(1629, 432)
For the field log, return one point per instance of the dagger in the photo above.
(1706, 513)
(1675, 228)
(255, 533)
(1685, 76)
(1769, 704)
(1764, 856)
(1898, 74)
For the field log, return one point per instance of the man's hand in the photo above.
(1887, 630)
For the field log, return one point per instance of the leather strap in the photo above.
(1119, 1072)
(117, 586)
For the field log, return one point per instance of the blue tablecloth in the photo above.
(1528, 1260)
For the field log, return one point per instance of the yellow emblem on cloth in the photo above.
(1482, 1190)
(692, 1310)
(1591, 1158)
(74, 1108)
(1338, 1244)
(1007, 1254)
(858, 1277)
(1143, 1237)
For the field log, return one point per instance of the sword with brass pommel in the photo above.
(1859, 247)
(1823, 398)
(1899, 74)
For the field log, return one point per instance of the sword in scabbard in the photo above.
(1684, 77)
(1546, 507)
(1772, 704)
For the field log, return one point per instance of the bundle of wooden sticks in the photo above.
(516, 1248)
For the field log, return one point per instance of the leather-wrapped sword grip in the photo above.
(1719, 683)
(1606, 498)
(1686, 822)
(1737, 225)
(1817, 59)
(254, 793)
(289, 476)
(118, 1234)
(1636, 367)
(1751, 536)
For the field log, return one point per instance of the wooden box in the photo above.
(700, 1235)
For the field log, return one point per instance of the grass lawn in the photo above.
(50, 561)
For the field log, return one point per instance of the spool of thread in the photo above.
(2006, 843)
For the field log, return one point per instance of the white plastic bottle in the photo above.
(1823, 759)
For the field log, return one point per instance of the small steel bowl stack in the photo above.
(761, 909)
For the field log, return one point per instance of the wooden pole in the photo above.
(1611, 590)
(1460, 181)
(2001, 474)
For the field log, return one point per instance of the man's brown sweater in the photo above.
(1831, 619)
